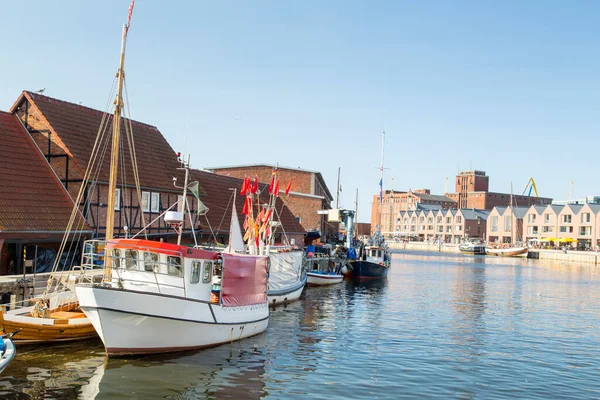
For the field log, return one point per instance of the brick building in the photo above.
(394, 202)
(472, 191)
(65, 134)
(308, 194)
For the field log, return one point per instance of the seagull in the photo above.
(42, 90)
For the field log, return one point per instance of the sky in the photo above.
(510, 88)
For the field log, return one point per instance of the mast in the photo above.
(114, 159)
(512, 218)
(356, 210)
(337, 199)
(381, 182)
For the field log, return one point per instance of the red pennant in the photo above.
(287, 189)
(276, 189)
(244, 186)
(268, 215)
(245, 209)
(272, 184)
(255, 186)
(246, 223)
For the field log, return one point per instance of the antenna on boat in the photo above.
(186, 167)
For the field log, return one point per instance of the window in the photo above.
(563, 229)
(174, 265)
(117, 199)
(507, 223)
(195, 277)
(457, 228)
(458, 219)
(585, 218)
(546, 218)
(131, 259)
(567, 219)
(299, 219)
(421, 220)
(155, 202)
(585, 230)
(531, 218)
(116, 258)
(207, 272)
(448, 220)
(533, 230)
(440, 229)
(145, 201)
(494, 223)
(439, 219)
(150, 262)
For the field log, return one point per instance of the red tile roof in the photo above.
(32, 199)
(218, 200)
(77, 127)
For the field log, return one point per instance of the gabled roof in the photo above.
(428, 207)
(472, 214)
(32, 199)
(575, 208)
(520, 212)
(76, 127)
(539, 209)
(218, 200)
(500, 209)
(594, 207)
(433, 197)
(452, 211)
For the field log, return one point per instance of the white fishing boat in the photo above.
(162, 297)
(287, 275)
(325, 266)
(474, 246)
(206, 298)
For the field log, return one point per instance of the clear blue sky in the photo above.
(509, 87)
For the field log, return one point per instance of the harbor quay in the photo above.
(570, 256)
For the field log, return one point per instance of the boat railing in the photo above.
(149, 275)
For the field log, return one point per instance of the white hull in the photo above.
(509, 252)
(284, 296)
(323, 279)
(9, 353)
(132, 322)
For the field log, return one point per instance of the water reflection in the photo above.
(441, 326)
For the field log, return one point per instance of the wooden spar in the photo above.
(114, 158)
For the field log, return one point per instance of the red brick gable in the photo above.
(77, 126)
(32, 199)
(218, 199)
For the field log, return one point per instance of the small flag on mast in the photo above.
(129, 13)
(381, 191)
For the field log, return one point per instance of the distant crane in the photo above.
(531, 186)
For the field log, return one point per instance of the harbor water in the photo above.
(444, 326)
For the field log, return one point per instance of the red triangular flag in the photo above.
(244, 186)
(276, 189)
(255, 186)
(287, 189)
(271, 184)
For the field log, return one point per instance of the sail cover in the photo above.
(244, 280)
(286, 270)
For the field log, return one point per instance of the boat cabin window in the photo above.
(174, 266)
(207, 272)
(195, 277)
(131, 259)
(116, 258)
(150, 262)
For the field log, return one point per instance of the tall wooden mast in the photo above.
(114, 158)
